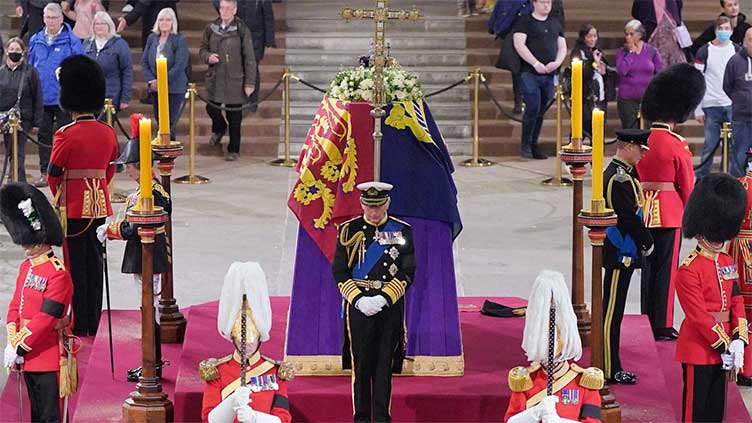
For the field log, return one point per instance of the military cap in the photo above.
(634, 136)
(374, 194)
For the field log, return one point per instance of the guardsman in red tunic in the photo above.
(575, 396)
(245, 315)
(667, 180)
(714, 333)
(80, 169)
(741, 251)
(40, 301)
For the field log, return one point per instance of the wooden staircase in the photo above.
(500, 135)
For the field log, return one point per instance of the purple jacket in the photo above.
(637, 70)
(737, 87)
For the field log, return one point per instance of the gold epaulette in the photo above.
(160, 189)
(621, 175)
(399, 220)
(520, 380)
(690, 258)
(207, 369)
(64, 127)
(285, 370)
(59, 265)
(591, 378)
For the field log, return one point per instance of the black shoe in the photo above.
(665, 334)
(527, 154)
(215, 140)
(623, 377)
(743, 380)
(538, 155)
(517, 108)
(135, 374)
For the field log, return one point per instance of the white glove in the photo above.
(648, 252)
(242, 396)
(547, 406)
(10, 356)
(245, 414)
(379, 301)
(736, 348)
(102, 233)
(546, 409)
(727, 360)
(368, 306)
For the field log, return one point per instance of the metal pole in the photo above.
(726, 135)
(286, 161)
(558, 180)
(191, 177)
(476, 161)
(109, 109)
(14, 134)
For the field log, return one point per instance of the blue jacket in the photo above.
(177, 54)
(117, 66)
(47, 58)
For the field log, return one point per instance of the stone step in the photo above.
(362, 42)
(272, 57)
(407, 58)
(360, 27)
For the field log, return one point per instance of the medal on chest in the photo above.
(35, 282)
(263, 383)
(729, 272)
(389, 238)
(570, 396)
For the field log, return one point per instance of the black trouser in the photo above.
(220, 125)
(44, 396)
(615, 288)
(54, 117)
(21, 154)
(657, 284)
(704, 393)
(34, 20)
(373, 341)
(86, 267)
(628, 111)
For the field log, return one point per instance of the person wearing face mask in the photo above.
(244, 318)
(737, 84)
(715, 108)
(20, 87)
(739, 26)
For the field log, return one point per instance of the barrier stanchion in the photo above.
(476, 161)
(14, 126)
(726, 136)
(286, 161)
(115, 196)
(557, 180)
(640, 120)
(191, 178)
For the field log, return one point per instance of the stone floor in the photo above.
(513, 228)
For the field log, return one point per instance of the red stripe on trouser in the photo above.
(689, 389)
(671, 286)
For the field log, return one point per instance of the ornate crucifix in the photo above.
(380, 15)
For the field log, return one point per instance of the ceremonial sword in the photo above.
(20, 392)
(109, 310)
(243, 352)
(551, 343)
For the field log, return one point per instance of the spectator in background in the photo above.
(636, 63)
(166, 41)
(593, 74)
(82, 13)
(229, 81)
(644, 11)
(711, 60)
(31, 10)
(258, 15)
(47, 49)
(114, 57)
(20, 87)
(739, 25)
(737, 84)
(539, 41)
(147, 11)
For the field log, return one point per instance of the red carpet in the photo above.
(491, 348)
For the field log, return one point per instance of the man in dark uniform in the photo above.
(258, 15)
(667, 180)
(147, 11)
(374, 264)
(79, 173)
(714, 332)
(41, 299)
(120, 229)
(625, 244)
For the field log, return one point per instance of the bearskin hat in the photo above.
(715, 208)
(673, 94)
(28, 215)
(82, 85)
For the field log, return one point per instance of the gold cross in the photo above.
(380, 15)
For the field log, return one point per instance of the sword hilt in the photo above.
(243, 358)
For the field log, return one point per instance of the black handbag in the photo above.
(508, 58)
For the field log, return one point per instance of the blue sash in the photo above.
(625, 245)
(374, 252)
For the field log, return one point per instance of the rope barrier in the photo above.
(309, 85)
(443, 90)
(38, 143)
(120, 125)
(245, 105)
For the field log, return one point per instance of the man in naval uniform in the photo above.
(574, 396)
(245, 314)
(374, 264)
(626, 244)
(41, 300)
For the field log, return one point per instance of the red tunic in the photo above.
(81, 163)
(668, 161)
(269, 401)
(42, 297)
(575, 401)
(741, 249)
(708, 290)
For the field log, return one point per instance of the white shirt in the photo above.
(714, 68)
